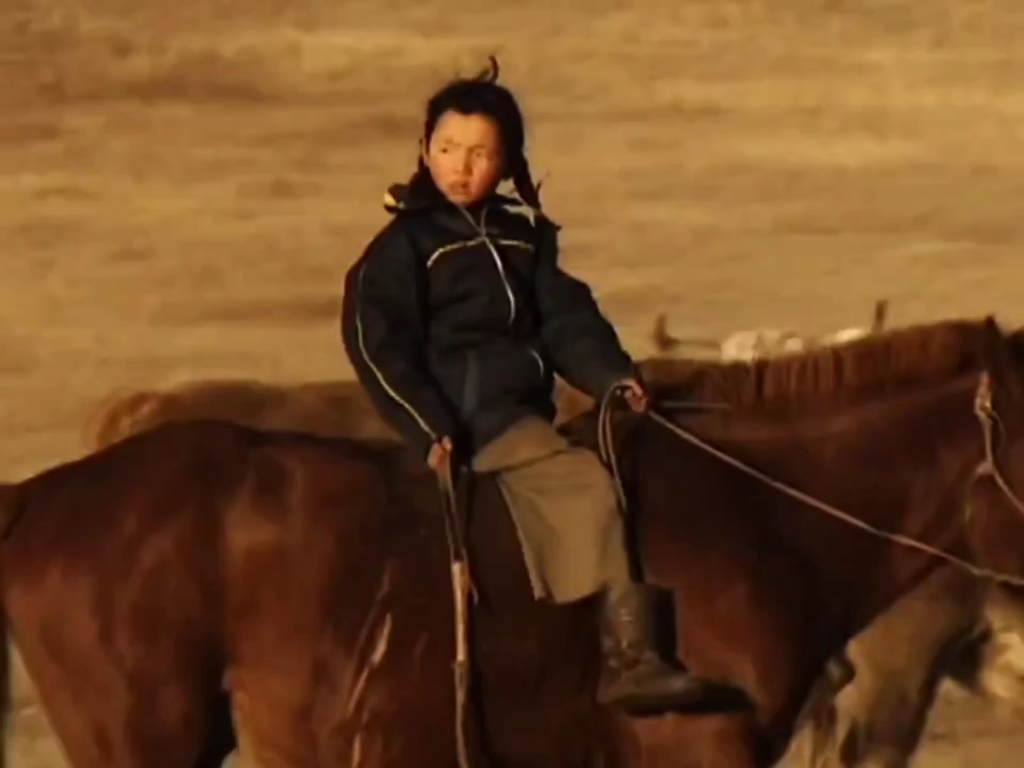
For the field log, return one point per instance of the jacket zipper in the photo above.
(540, 362)
(481, 228)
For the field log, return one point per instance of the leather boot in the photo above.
(633, 675)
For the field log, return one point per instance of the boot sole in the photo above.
(701, 697)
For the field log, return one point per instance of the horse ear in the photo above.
(997, 356)
(991, 342)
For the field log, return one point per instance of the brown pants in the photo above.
(563, 503)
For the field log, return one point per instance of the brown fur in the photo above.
(318, 408)
(897, 662)
(872, 709)
(342, 409)
(951, 625)
(828, 376)
(328, 408)
(10, 510)
(310, 576)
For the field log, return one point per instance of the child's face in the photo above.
(464, 156)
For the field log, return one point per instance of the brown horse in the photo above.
(871, 705)
(308, 576)
(949, 624)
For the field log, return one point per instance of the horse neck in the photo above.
(902, 465)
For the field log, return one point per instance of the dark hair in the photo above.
(481, 95)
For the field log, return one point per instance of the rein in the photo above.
(462, 589)
(983, 409)
(988, 417)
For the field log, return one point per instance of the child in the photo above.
(456, 318)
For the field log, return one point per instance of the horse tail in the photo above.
(118, 416)
(10, 507)
(5, 687)
(10, 511)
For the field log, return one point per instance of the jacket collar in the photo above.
(410, 198)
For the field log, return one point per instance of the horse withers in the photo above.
(306, 579)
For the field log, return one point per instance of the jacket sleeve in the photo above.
(583, 345)
(384, 337)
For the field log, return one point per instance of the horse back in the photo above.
(307, 576)
(359, 530)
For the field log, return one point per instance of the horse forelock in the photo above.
(885, 362)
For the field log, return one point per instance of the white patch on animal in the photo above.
(752, 344)
(385, 581)
(357, 750)
(383, 635)
(844, 336)
(1001, 674)
(758, 343)
(382, 643)
(371, 615)
(376, 656)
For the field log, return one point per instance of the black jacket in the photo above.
(456, 321)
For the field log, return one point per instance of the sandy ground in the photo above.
(182, 185)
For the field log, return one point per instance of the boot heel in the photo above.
(633, 676)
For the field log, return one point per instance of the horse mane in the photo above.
(882, 363)
(1017, 345)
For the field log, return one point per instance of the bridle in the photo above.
(989, 420)
(984, 410)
